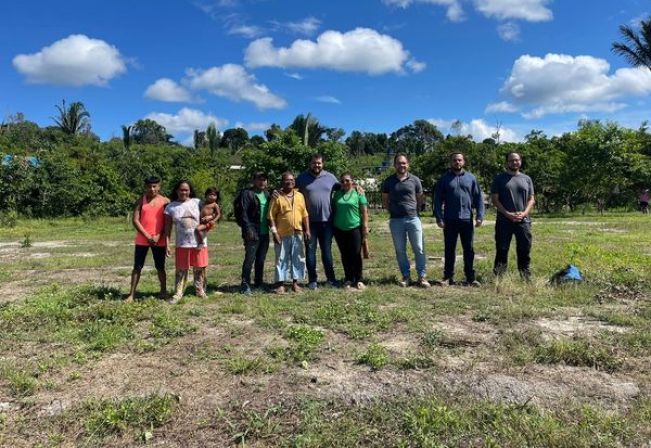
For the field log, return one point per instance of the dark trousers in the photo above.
(504, 231)
(321, 233)
(350, 246)
(454, 229)
(255, 252)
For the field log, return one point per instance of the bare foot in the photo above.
(128, 299)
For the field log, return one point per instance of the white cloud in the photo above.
(328, 99)
(360, 50)
(253, 126)
(76, 60)
(233, 82)
(529, 10)
(560, 83)
(477, 128)
(165, 89)
(248, 31)
(296, 76)
(509, 31)
(454, 10)
(186, 120)
(502, 106)
(308, 26)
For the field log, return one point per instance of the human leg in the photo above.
(325, 242)
(342, 243)
(139, 257)
(297, 257)
(417, 242)
(260, 256)
(523, 242)
(450, 236)
(310, 259)
(355, 253)
(159, 254)
(399, 237)
(503, 235)
(250, 249)
(467, 232)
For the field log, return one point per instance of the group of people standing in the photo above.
(308, 211)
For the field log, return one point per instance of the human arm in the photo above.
(478, 200)
(152, 239)
(168, 231)
(385, 201)
(272, 222)
(364, 213)
(511, 216)
(306, 228)
(438, 203)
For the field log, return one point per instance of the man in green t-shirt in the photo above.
(255, 231)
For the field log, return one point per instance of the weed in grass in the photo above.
(21, 382)
(376, 357)
(431, 339)
(26, 243)
(241, 365)
(414, 362)
(132, 413)
(247, 425)
(166, 325)
(303, 342)
(103, 335)
(577, 352)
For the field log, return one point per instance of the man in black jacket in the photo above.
(255, 231)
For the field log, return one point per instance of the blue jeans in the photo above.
(321, 233)
(401, 229)
(290, 258)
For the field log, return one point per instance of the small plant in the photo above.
(376, 357)
(415, 362)
(21, 383)
(140, 413)
(26, 243)
(577, 353)
(240, 365)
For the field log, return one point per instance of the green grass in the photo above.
(323, 368)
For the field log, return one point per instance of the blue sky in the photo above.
(370, 65)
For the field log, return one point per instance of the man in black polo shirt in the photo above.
(513, 196)
(402, 195)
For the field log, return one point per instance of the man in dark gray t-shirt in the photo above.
(513, 195)
(402, 194)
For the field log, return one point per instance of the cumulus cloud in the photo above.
(477, 128)
(76, 60)
(165, 89)
(529, 10)
(328, 99)
(561, 83)
(359, 50)
(454, 10)
(186, 120)
(502, 106)
(253, 126)
(509, 31)
(233, 82)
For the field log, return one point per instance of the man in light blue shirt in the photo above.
(457, 194)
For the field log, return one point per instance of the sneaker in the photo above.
(333, 284)
(361, 286)
(348, 286)
(245, 289)
(423, 283)
(312, 286)
(474, 284)
(280, 290)
(404, 282)
(296, 288)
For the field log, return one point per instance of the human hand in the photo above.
(276, 238)
(441, 224)
(168, 251)
(307, 236)
(251, 235)
(275, 194)
(478, 223)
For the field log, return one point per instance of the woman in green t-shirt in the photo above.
(350, 222)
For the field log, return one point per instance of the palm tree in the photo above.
(637, 47)
(126, 136)
(72, 119)
(308, 129)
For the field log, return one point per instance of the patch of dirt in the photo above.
(576, 325)
(463, 331)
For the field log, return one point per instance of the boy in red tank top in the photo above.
(149, 221)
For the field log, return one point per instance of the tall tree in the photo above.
(126, 136)
(149, 132)
(234, 139)
(212, 136)
(308, 129)
(72, 119)
(416, 138)
(199, 139)
(637, 46)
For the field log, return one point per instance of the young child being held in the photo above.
(210, 214)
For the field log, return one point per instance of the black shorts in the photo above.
(141, 254)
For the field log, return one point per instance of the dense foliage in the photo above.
(47, 172)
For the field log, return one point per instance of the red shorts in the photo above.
(187, 257)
